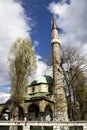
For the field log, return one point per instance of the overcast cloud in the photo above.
(73, 20)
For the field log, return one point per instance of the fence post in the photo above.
(84, 127)
(56, 127)
(26, 126)
(13, 128)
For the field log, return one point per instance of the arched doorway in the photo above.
(5, 114)
(48, 116)
(20, 113)
(33, 113)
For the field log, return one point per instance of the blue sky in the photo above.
(41, 18)
(32, 18)
(41, 32)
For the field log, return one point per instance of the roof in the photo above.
(46, 79)
(36, 95)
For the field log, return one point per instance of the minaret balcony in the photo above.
(55, 41)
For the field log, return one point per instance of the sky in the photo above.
(33, 19)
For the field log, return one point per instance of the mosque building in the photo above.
(44, 99)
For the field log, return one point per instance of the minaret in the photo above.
(60, 107)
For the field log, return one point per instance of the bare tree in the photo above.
(74, 71)
(74, 68)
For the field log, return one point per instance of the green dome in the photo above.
(43, 79)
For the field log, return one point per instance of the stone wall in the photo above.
(56, 125)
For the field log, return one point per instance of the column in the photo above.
(26, 126)
(25, 116)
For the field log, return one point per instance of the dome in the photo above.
(46, 79)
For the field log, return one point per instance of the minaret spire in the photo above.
(54, 26)
(55, 37)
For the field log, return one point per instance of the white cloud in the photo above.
(73, 20)
(4, 97)
(4, 93)
(12, 25)
(36, 43)
(58, 8)
(43, 68)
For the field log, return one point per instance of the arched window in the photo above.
(5, 114)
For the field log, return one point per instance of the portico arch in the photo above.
(33, 112)
(48, 114)
(20, 113)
